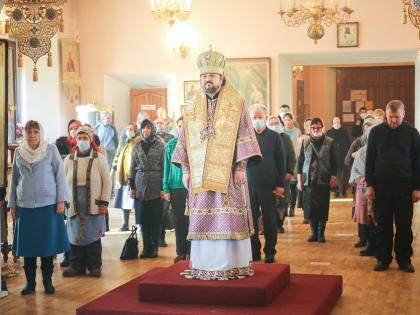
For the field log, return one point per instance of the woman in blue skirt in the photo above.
(88, 193)
(36, 199)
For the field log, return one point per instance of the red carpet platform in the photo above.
(304, 294)
(260, 290)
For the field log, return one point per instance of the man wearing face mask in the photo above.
(214, 149)
(266, 181)
(317, 170)
(273, 123)
(341, 146)
(108, 135)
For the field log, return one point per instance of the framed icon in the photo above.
(348, 35)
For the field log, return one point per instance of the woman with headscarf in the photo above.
(88, 193)
(273, 123)
(36, 199)
(363, 213)
(121, 167)
(351, 154)
(65, 146)
(146, 175)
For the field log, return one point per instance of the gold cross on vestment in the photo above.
(227, 110)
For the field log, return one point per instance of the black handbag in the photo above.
(131, 246)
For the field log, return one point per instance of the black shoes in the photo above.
(65, 262)
(29, 288)
(280, 230)
(162, 243)
(360, 243)
(145, 254)
(380, 266)
(313, 238)
(337, 194)
(367, 252)
(406, 267)
(154, 253)
(269, 259)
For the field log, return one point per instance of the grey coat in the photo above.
(289, 154)
(147, 171)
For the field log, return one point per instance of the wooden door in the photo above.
(148, 101)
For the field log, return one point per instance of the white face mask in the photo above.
(129, 134)
(336, 126)
(363, 115)
(73, 133)
(258, 124)
(276, 128)
(83, 145)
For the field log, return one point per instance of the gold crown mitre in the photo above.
(211, 62)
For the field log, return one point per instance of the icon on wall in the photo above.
(348, 35)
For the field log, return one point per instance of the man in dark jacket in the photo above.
(341, 145)
(393, 183)
(266, 182)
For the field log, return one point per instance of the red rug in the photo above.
(305, 294)
(260, 290)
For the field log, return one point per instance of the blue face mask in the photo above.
(258, 124)
(83, 145)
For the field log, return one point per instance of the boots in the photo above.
(47, 269)
(147, 246)
(371, 248)
(291, 212)
(125, 217)
(321, 231)
(30, 273)
(314, 230)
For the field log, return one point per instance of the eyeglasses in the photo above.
(316, 128)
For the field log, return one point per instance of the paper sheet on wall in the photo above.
(347, 107)
(348, 118)
(358, 95)
(359, 105)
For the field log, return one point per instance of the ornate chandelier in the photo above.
(171, 10)
(316, 13)
(34, 23)
(413, 12)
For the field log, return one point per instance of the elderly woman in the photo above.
(273, 123)
(88, 193)
(146, 175)
(363, 213)
(317, 170)
(36, 199)
(121, 167)
(97, 141)
(294, 133)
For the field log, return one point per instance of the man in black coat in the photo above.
(341, 145)
(266, 181)
(393, 183)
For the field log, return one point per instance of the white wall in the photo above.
(41, 100)
(117, 94)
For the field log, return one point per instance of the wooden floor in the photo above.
(365, 291)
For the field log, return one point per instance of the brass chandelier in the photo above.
(34, 23)
(412, 9)
(171, 10)
(316, 13)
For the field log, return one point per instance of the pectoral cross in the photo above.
(207, 132)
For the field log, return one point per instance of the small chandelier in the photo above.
(413, 12)
(296, 71)
(315, 13)
(34, 23)
(171, 10)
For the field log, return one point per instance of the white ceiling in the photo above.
(141, 81)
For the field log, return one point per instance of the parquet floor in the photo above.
(365, 291)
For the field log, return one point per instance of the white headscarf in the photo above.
(30, 155)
